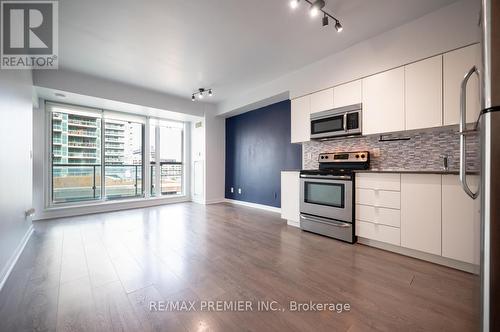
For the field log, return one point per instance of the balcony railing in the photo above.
(81, 182)
(171, 175)
(86, 133)
(82, 145)
(84, 123)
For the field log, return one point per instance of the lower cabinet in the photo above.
(461, 221)
(290, 197)
(429, 213)
(421, 212)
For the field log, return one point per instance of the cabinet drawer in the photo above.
(379, 198)
(380, 233)
(376, 215)
(378, 181)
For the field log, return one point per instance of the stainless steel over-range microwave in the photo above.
(342, 121)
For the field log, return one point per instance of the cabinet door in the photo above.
(461, 221)
(322, 101)
(421, 212)
(290, 196)
(383, 102)
(300, 121)
(347, 94)
(424, 93)
(455, 65)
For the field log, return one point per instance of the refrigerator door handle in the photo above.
(464, 132)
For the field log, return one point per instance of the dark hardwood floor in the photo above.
(100, 272)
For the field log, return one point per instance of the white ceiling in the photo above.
(176, 46)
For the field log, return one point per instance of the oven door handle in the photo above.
(326, 177)
(326, 221)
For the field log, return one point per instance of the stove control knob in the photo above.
(362, 156)
(357, 156)
(322, 157)
(326, 157)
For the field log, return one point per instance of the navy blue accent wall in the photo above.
(258, 148)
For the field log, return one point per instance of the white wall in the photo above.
(16, 166)
(446, 29)
(215, 151)
(87, 85)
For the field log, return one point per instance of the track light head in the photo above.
(294, 3)
(316, 7)
(325, 20)
(210, 94)
(193, 98)
(338, 26)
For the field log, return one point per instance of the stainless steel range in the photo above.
(327, 195)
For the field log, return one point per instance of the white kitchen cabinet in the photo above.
(461, 221)
(421, 212)
(378, 232)
(347, 94)
(300, 119)
(290, 197)
(383, 102)
(322, 101)
(378, 198)
(378, 215)
(424, 94)
(455, 65)
(379, 181)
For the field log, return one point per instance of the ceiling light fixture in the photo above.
(201, 93)
(317, 7)
(338, 26)
(294, 4)
(325, 20)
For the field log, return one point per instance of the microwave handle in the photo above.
(345, 121)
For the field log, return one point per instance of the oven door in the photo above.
(327, 196)
(328, 126)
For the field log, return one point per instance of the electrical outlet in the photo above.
(309, 156)
(239, 191)
(232, 190)
(376, 152)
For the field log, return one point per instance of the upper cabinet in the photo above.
(455, 65)
(424, 94)
(300, 119)
(383, 102)
(322, 101)
(347, 94)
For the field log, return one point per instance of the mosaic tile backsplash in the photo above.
(424, 150)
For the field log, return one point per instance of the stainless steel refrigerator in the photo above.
(489, 127)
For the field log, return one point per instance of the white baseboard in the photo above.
(463, 266)
(254, 205)
(293, 223)
(214, 201)
(4, 275)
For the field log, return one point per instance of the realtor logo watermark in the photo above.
(29, 35)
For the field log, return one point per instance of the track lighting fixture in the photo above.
(338, 26)
(201, 93)
(294, 3)
(317, 7)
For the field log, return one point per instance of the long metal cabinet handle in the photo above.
(323, 221)
(345, 121)
(463, 133)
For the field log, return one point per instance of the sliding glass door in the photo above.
(167, 153)
(123, 155)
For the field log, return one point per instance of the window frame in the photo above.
(146, 158)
